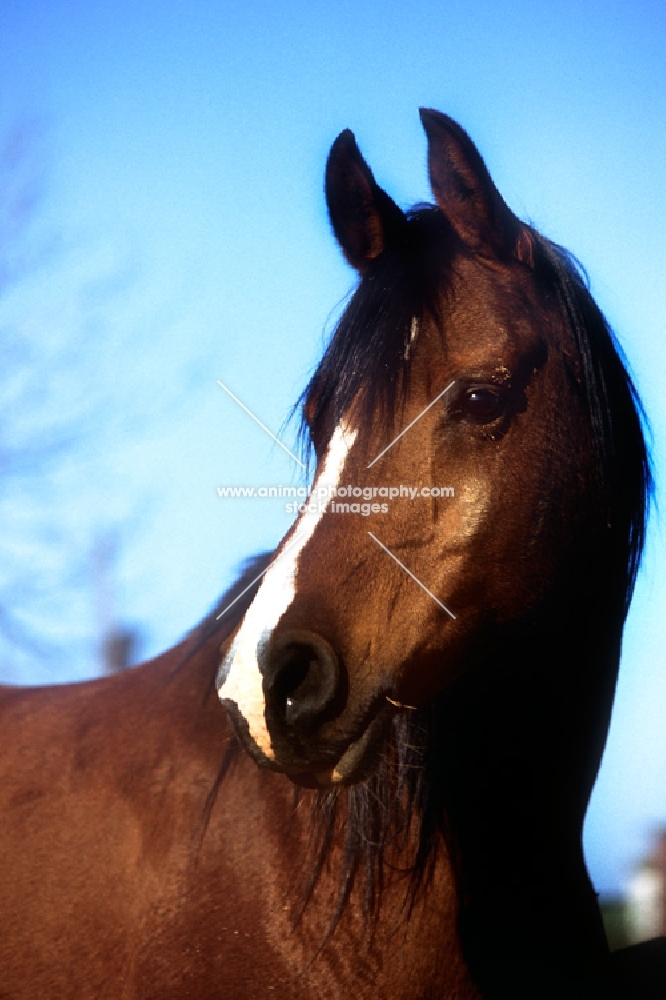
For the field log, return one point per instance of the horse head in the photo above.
(477, 503)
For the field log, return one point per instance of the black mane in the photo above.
(367, 360)
(616, 413)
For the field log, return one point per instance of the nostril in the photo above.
(296, 680)
(300, 677)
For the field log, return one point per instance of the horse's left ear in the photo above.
(466, 194)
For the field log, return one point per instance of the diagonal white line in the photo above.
(414, 578)
(258, 421)
(410, 425)
(280, 554)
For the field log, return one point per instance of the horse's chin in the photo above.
(358, 762)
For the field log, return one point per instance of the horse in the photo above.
(365, 773)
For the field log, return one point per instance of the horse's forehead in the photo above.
(492, 309)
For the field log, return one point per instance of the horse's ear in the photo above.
(466, 194)
(363, 217)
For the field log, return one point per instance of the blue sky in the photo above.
(182, 238)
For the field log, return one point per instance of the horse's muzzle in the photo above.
(313, 736)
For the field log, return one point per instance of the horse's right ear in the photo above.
(363, 217)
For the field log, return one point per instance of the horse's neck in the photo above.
(525, 735)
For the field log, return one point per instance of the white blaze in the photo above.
(241, 677)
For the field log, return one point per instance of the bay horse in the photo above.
(425, 684)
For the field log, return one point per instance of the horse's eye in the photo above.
(483, 404)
